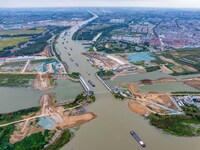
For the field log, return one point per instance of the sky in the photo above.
(102, 3)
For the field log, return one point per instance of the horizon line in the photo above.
(100, 7)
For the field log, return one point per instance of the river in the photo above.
(13, 99)
(110, 130)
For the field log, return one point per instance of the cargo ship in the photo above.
(91, 83)
(137, 138)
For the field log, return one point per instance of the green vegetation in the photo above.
(74, 75)
(79, 99)
(87, 34)
(39, 43)
(14, 116)
(151, 69)
(119, 46)
(54, 49)
(118, 96)
(91, 99)
(22, 32)
(35, 141)
(184, 93)
(180, 125)
(64, 139)
(52, 81)
(140, 63)
(192, 111)
(183, 73)
(105, 73)
(16, 80)
(41, 60)
(189, 57)
(12, 42)
(5, 133)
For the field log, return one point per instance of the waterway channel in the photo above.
(13, 99)
(110, 130)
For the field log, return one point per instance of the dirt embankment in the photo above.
(151, 102)
(165, 80)
(48, 109)
(164, 69)
(72, 121)
(161, 80)
(23, 130)
(43, 81)
(138, 108)
(45, 52)
(177, 67)
(195, 82)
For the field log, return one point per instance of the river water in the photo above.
(13, 99)
(110, 130)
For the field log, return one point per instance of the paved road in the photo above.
(14, 122)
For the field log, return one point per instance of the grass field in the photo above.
(7, 42)
(22, 32)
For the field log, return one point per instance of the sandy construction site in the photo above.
(50, 113)
(155, 102)
(43, 81)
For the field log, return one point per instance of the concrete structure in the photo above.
(116, 60)
(85, 86)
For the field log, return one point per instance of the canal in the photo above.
(110, 130)
(13, 99)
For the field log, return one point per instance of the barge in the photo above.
(91, 83)
(137, 138)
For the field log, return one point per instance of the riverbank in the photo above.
(29, 121)
(179, 125)
(161, 109)
(110, 122)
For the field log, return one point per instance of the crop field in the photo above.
(9, 42)
(22, 32)
(187, 59)
(189, 56)
(12, 67)
(177, 67)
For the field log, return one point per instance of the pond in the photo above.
(141, 56)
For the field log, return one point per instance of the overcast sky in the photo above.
(82, 3)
